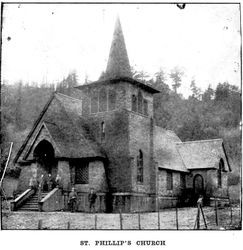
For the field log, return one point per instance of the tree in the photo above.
(68, 83)
(222, 92)
(208, 94)
(176, 75)
(140, 75)
(196, 92)
(160, 81)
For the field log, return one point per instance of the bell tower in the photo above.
(118, 111)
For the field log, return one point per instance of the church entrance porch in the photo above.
(46, 165)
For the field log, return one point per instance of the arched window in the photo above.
(94, 102)
(221, 168)
(112, 99)
(134, 103)
(140, 102)
(102, 100)
(102, 131)
(140, 167)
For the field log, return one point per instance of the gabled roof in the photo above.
(62, 118)
(203, 154)
(165, 150)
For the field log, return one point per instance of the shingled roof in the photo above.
(118, 63)
(67, 130)
(62, 118)
(165, 150)
(204, 154)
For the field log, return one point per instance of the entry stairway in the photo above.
(32, 204)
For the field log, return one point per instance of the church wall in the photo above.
(121, 96)
(97, 179)
(115, 146)
(133, 90)
(27, 172)
(173, 197)
(210, 178)
(139, 139)
(63, 171)
(162, 183)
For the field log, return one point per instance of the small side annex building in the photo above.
(104, 137)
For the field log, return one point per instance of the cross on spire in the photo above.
(118, 62)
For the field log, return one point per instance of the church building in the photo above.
(104, 137)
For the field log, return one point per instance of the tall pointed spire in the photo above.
(118, 62)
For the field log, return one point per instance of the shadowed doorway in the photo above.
(46, 164)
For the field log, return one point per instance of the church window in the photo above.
(112, 99)
(102, 100)
(145, 107)
(102, 131)
(169, 180)
(140, 102)
(94, 102)
(82, 173)
(134, 103)
(221, 168)
(140, 167)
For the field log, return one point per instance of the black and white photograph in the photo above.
(121, 117)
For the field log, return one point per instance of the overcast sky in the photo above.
(43, 43)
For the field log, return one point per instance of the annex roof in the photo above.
(204, 154)
(165, 150)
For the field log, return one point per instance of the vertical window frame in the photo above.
(140, 167)
(169, 180)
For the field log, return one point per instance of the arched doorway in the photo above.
(44, 155)
(198, 186)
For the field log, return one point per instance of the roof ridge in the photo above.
(199, 141)
(34, 126)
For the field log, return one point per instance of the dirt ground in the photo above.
(67, 220)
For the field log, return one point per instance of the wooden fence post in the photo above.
(139, 221)
(216, 212)
(231, 212)
(120, 219)
(204, 219)
(177, 223)
(95, 221)
(197, 221)
(40, 224)
(158, 219)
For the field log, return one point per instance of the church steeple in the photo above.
(118, 62)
